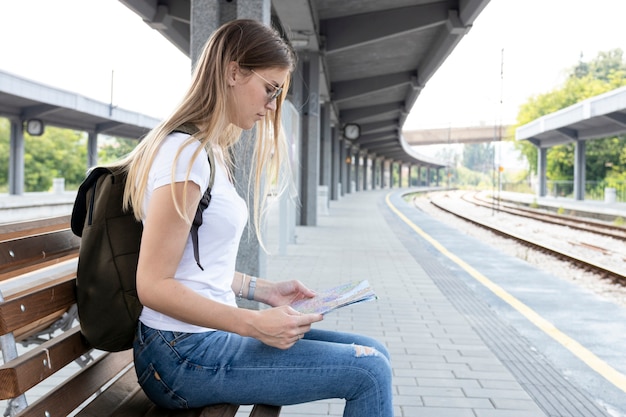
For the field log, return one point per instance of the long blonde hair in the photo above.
(252, 45)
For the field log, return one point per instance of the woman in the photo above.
(194, 347)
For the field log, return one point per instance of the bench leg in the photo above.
(261, 410)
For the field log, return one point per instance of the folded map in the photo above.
(337, 297)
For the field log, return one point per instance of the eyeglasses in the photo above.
(277, 90)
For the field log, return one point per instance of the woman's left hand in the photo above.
(287, 292)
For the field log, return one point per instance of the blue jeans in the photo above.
(189, 370)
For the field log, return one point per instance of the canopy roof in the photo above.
(376, 55)
(597, 117)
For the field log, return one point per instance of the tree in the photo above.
(478, 157)
(114, 148)
(586, 79)
(58, 153)
(4, 154)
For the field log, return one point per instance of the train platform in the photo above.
(472, 331)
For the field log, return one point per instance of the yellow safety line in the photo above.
(601, 367)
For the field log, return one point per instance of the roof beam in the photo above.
(375, 127)
(568, 133)
(351, 31)
(172, 20)
(618, 118)
(356, 114)
(346, 90)
(376, 137)
(106, 126)
(38, 111)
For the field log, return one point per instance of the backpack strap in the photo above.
(79, 210)
(204, 203)
(191, 129)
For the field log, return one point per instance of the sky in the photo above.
(516, 49)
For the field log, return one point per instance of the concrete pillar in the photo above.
(336, 162)
(325, 144)
(16, 157)
(367, 169)
(325, 159)
(310, 153)
(580, 159)
(390, 173)
(296, 96)
(349, 169)
(542, 154)
(357, 171)
(400, 176)
(206, 17)
(374, 172)
(92, 149)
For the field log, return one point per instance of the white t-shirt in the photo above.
(218, 237)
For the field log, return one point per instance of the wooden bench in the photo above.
(37, 307)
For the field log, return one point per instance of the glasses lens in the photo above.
(276, 93)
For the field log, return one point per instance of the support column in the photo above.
(542, 154)
(16, 157)
(92, 149)
(363, 171)
(310, 157)
(400, 166)
(349, 169)
(343, 167)
(366, 171)
(337, 159)
(580, 159)
(357, 171)
(372, 172)
(206, 17)
(323, 195)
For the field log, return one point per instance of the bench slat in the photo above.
(124, 398)
(65, 398)
(29, 369)
(28, 308)
(262, 410)
(32, 227)
(34, 252)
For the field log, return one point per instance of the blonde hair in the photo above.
(252, 45)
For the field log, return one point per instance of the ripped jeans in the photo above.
(189, 370)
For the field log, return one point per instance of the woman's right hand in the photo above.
(281, 327)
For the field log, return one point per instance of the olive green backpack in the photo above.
(106, 294)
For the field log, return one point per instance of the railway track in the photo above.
(573, 222)
(590, 265)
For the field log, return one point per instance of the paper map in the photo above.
(337, 297)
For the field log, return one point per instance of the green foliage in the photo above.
(467, 177)
(4, 154)
(534, 204)
(58, 153)
(605, 157)
(114, 149)
(619, 221)
(478, 157)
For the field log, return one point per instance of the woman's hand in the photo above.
(286, 292)
(282, 327)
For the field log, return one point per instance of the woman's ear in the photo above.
(232, 71)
